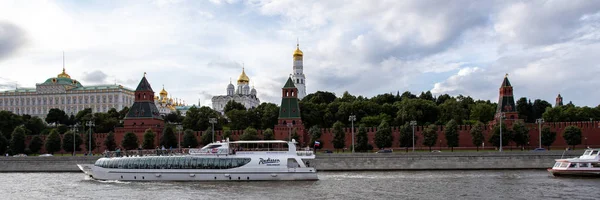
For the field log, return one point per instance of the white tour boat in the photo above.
(218, 161)
(586, 165)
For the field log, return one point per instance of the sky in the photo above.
(194, 48)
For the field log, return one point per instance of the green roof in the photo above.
(289, 108)
(102, 87)
(143, 110)
(62, 81)
(144, 85)
(289, 83)
(506, 83)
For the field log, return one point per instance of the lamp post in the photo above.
(413, 124)
(540, 121)
(179, 128)
(213, 121)
(74, 131)
(289, 125)
(501, 117)
(90, 124)
(352, 119)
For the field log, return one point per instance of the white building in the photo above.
(242, 94)
(66, 94)
(298, 73)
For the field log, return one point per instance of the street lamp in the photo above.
(213, 121)
(540, 121)
(90, 124)
(73, 131)
(352, 119)
(502, 116)
(413, 124)
(289, 125)
(179, 128)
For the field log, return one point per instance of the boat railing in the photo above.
(145, 152)
(305, 153)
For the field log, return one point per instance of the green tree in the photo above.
(548, 137)
(315, 135)
(168, 138)
(239, 119)
(17, 140)
(383, 136)
(189, 139)
(339, 135)
(36, 144)
(109, 141)
(451, 134)
(483, 112)
(130, 141)
(56, 116)
(3, 144)
(406, 136)
(249, 134)
(207, 137)
(268, 134)
(477, 134)
(572, 136)
(525, 109)
(149, 138)
(495, 138)
(67, 142)
(233, 105)
(430, 136)
(53, 142)
(8, 122)
(451, 109)
(35, 125)
(520, 134)
(227, 134)
(192, 116)
(362, 140)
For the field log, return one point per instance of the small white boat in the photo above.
(219, 161)
(586, 165)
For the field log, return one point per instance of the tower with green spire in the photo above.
(289, 112)
(506, 102)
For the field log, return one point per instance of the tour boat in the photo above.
(586, 165)
(218, 161)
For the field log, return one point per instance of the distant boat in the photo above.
(218, 161)
(587, 164)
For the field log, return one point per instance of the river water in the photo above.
(513, 184)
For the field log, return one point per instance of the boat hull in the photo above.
(574, 173)
(307, 174)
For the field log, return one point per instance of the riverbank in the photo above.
(346, 162)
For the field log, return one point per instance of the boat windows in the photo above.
(573, 165)
(596, 165)
(586, 165)
(212, 146)
(180, 162)
(564, 165)
(557, 164)
(587, 153)
(594, 152)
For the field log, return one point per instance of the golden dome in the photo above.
(163, 92)
(63, 74)
(243, 78)
(297, 52)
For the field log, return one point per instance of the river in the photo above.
(509, 184)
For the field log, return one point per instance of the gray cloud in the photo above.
(224, 64)
(12, 38)
(96, 76)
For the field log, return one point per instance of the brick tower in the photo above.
(143, 114)
(506, 103)
(289, 113)
(559, 101)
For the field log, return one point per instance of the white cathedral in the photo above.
(243, 94)
(248, 98)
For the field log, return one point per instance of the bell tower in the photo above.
(298, 72)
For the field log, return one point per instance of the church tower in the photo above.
(559, 101)
(298, 75)
(506, 102)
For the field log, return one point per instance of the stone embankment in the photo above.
(346, 162)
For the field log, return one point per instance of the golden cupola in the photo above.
(243, 78)
(63, 74)
(163, 92)
(297, 53)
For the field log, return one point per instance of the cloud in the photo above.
(96, 76)
(12, 38)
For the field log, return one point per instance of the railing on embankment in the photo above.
(343, 162)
